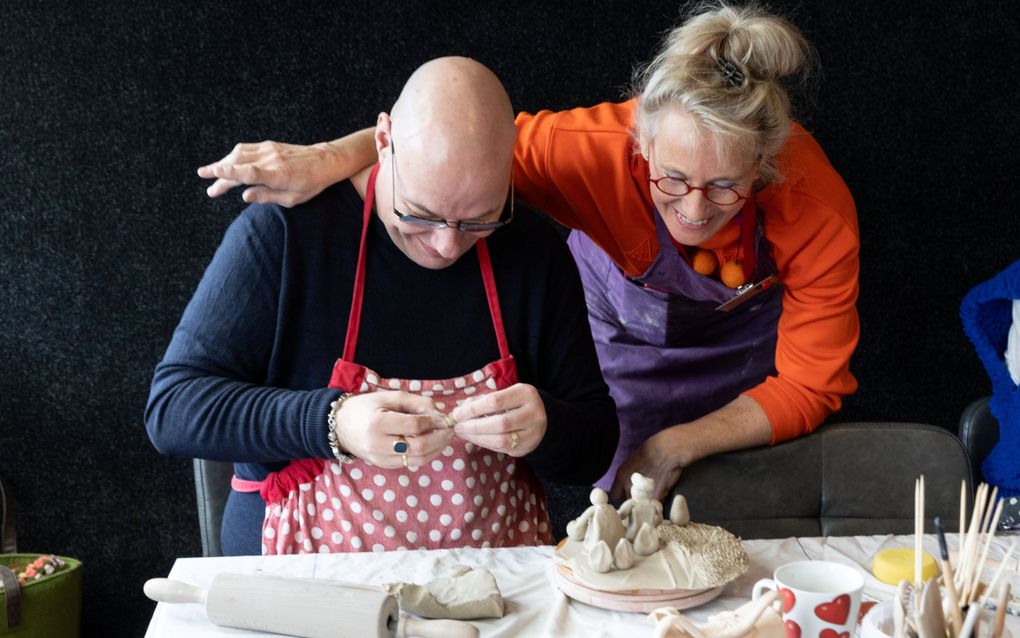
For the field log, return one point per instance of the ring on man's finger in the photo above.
(400, 446)
(514, 439)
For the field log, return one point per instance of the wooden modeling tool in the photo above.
(1000, 610)
(304, 607)
(955, 615)
(930, 621)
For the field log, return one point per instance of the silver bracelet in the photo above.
(334, 440)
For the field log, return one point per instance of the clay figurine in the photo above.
(643, 515)
(678, 512)
(601, 529)
(600, 522)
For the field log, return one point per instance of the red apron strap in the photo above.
(748, 233)
(354, 320)
(492, 296)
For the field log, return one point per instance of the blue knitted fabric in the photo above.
(987, 316)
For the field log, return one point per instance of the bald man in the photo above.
(393, 363)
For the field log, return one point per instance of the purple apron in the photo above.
(667, 354)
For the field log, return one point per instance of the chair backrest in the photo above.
(212, 487)
(979, 432)
(847, 479)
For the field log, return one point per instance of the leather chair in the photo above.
(979, 432)
(855, 478)
(212, 487)
(847, 479)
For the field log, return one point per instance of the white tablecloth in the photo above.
(534, 607)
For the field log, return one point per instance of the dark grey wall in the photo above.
(106, 109)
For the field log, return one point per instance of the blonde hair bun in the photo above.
(724, 66)
(764, 46)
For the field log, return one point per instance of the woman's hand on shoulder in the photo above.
(274, 172)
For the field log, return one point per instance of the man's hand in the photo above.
(284, 174)
(512, 420)
(369, 425)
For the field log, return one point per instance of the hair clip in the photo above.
(730, 72)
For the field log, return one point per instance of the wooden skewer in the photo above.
(965, 569)
(986, 524)
(917, 536)
(1000, 610)
(989, 535)
(963, 514)
(961, 567)
(995, 578)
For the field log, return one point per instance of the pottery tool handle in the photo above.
(1000, 611)
(948, 579)
(164, 590)
(409, 626)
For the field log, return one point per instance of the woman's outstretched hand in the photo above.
(274, 172)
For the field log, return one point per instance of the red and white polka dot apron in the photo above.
(468, 496)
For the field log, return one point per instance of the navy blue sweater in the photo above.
(244, 377)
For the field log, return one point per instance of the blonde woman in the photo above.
(717, 245)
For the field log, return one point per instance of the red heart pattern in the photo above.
(829, 633)
(792, 629)
(789, 600)
(835, 611)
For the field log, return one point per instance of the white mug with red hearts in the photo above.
(820, 599)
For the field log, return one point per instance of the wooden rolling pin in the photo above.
(304, 607)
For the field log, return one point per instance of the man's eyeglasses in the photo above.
(425, 222)
(678, 187)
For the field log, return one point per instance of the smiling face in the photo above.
(683, 150)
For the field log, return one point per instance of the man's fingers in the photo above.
(420, 450)
(486, 425)
(399, 401)
(494, 403)
(430, 444)
(415, 425)
(499, 442)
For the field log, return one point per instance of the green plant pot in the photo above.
(50, 606)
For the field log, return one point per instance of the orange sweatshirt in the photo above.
(581, 167)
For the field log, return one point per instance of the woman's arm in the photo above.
(737, 425)
(289, 174)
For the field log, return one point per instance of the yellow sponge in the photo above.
(893, 565)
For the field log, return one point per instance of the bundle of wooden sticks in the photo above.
(926, 610)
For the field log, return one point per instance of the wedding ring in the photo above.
(400, 447)
(450, 421)
(403, 457)
(515, 440)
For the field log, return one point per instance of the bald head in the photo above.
(446, 151)
(455, 110)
